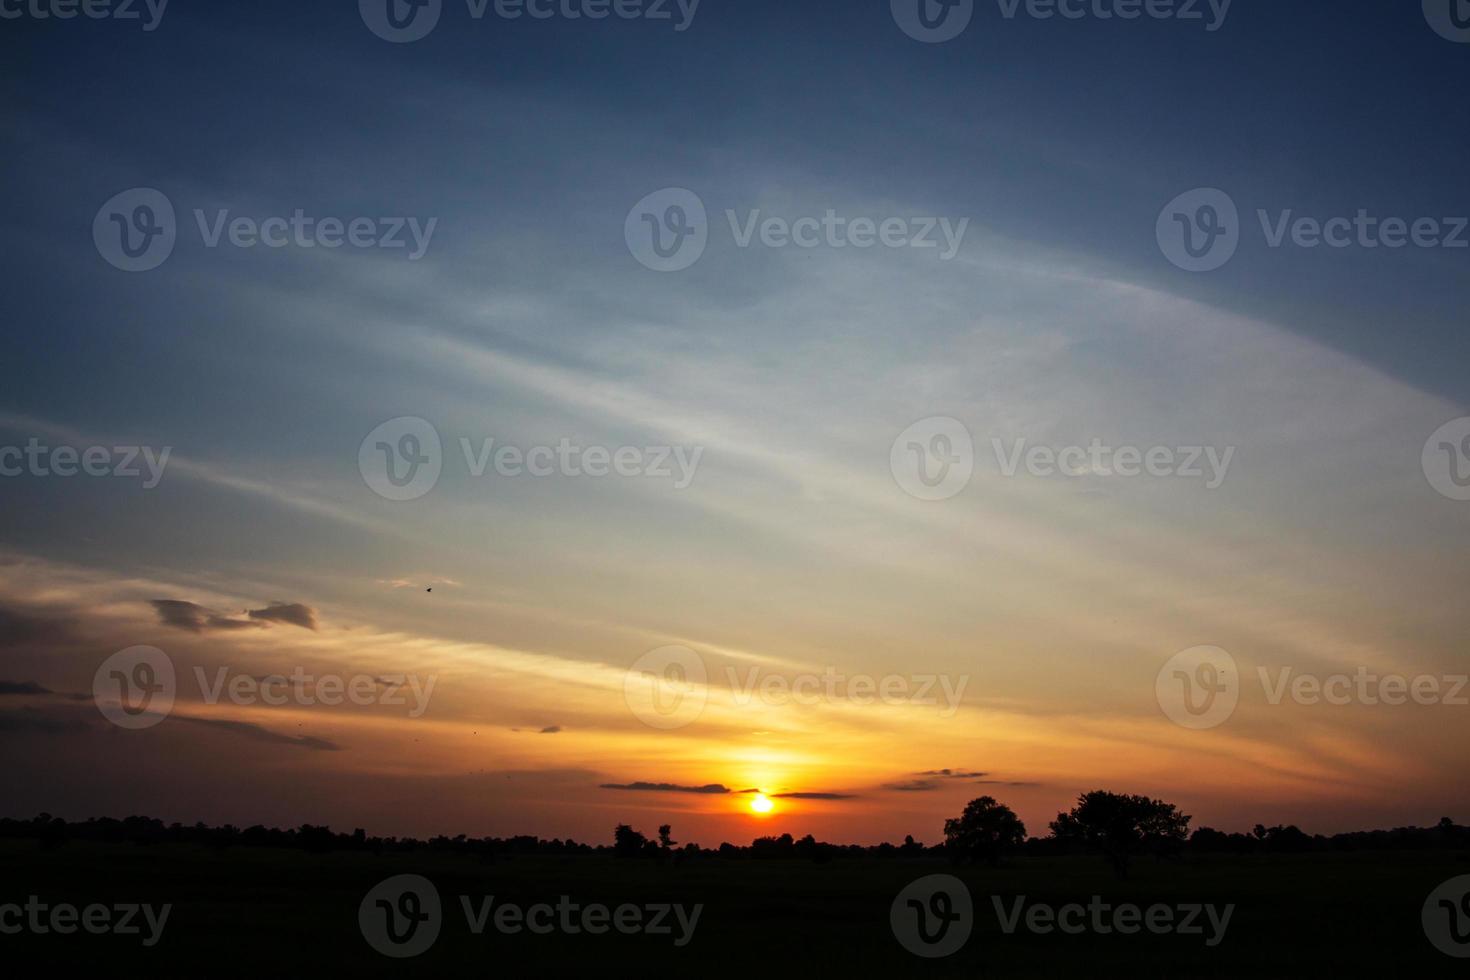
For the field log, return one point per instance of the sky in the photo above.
(648, 645)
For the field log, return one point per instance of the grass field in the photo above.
(263, 911)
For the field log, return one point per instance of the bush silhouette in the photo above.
(628, 842)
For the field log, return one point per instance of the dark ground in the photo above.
(262, 911)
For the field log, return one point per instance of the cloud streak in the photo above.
(294, 613)
(260, 733)
(184, 615)
(643, 787)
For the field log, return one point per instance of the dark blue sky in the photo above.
(1058, 133)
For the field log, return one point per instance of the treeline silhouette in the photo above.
(51, 831)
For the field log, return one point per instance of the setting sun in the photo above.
(760, 804)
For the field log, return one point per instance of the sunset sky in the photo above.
(1049, 604)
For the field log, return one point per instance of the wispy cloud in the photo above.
(642, 787)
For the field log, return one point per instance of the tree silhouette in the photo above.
(985, 831)
(1119, 825)
(628, 842)
(663, 836)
